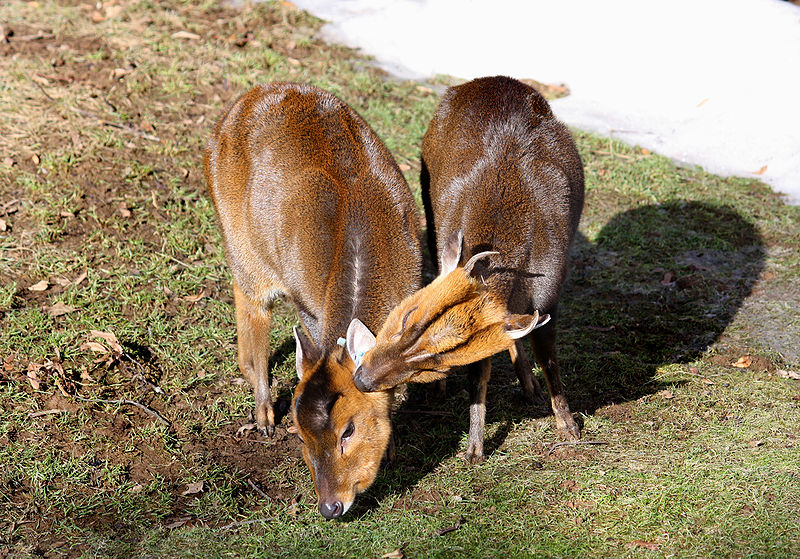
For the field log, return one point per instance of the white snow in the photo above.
(714, 83)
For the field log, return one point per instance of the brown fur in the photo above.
(313, 208)
(498, 166)
(453, 321)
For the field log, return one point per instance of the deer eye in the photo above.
(348, 432)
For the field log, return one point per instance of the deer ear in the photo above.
(305, 352)
(520, 325)
(359, 340)
(451, 253)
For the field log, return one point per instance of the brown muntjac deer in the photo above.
(497, 166)
(314, 208)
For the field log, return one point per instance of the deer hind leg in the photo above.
(478, 375)
(252, 329)
(522, 366)
(544, 346)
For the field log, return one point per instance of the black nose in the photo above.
(331, 510)
(359, 382)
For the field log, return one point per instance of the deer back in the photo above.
(499, 169)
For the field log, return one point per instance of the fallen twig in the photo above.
(37, 84)
(122, 127)
(46, 412)
(257, 489)
(34, 37)
(142, 407)
(140, 375)
(571, 443)
(443, 531)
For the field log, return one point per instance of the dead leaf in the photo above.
(569, 485)
(652, 546)
(97, 16)
(755, 443)
(80, 278)
(185, 35)
(293, 61)
(59, 309)
(293, 507)
(178, 522)
(63, 282)
(123, 210)
(33, 376)
(40, 79)
(61, 388)
(579, 504)
(194, 488)
(396, 554)
(110, 338)
(666, 394)
(694, 370)
(147, 126)
(761, 171)
(788, 374)
(95, 346)
(137, 488)
(645, 151)
(40, 286)
(3, 225)
(403, 167)
(35, 159)
(246, 428)
(119, 73)
(707, 381)
(669, 278)
(85, 376)
(743, 362)
(196, 297)
(9, 161)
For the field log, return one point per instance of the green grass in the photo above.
(699, 458)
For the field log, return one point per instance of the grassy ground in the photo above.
(121, 403)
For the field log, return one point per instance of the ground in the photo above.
(124, 425)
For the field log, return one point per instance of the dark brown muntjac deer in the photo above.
(497, 166)
(314, 208)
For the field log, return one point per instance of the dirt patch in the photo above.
(742, 359)
(617, 412)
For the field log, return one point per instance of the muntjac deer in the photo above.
(314, 208)
(497, 166)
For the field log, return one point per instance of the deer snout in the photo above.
(364, 385)
(331, 510)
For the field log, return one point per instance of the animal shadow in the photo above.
(659, 285)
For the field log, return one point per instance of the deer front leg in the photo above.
(478, 374)
(252, 329)
(544, 346)
(522, 366)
